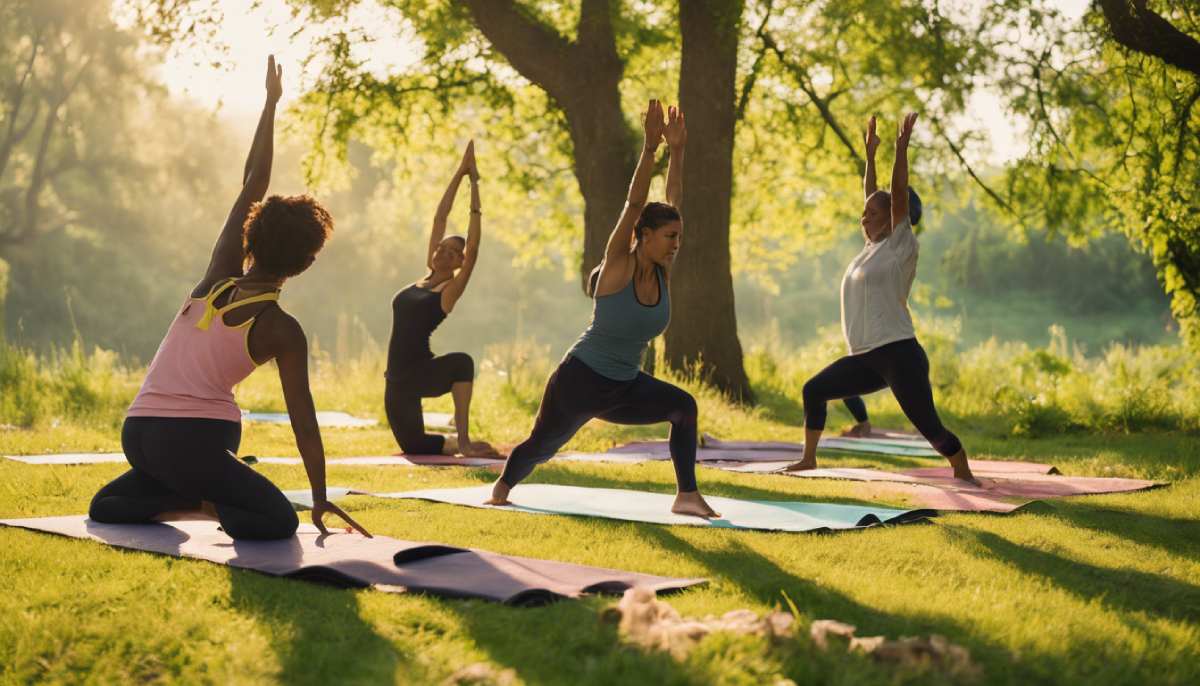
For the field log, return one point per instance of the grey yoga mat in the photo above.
(350, 560)
(641, 506)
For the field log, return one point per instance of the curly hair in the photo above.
(283, 234)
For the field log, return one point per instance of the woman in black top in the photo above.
(413, 372)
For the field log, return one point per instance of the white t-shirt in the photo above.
(875, 291)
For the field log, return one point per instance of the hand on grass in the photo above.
(321, 508)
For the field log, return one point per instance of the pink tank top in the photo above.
(199, 362)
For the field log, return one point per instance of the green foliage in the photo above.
(1115, 144)
(68, 385)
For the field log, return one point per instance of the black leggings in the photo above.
(402, 399)
(857, 408)
(575, 393)
(901, 366)
(178, 462)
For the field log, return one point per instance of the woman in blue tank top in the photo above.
(601, 376)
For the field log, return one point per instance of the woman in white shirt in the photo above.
(884, 352)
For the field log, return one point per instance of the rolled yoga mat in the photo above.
(354, 561)
(655, 508)
(1005, 486)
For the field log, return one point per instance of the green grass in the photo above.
(1102, 589)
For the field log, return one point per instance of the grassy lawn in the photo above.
(1102, 589)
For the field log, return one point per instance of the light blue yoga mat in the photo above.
(641, 506)
(301, 498)
(324, 418)
(881, 446)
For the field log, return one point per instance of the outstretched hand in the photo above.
(274, 80)
(870, 139)
(654, 124)
(675, 132)
(467, 166)
(906, 128)
(321, 508)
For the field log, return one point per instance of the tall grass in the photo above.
(1022, 390)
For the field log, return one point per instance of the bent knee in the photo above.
(462, 367)
(262, 527)
(686, 411)
(107, 510)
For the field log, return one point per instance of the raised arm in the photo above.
(614, 268)
(438, 231)
(872, 144)
(227, 254)
(458, 285)
(676, 137)
(900, 170)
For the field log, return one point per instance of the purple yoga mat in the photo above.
(351, 560)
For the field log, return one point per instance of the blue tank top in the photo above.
(621, 327)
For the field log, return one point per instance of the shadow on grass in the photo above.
(316, 631)
(1124, 590)
(1176, 536)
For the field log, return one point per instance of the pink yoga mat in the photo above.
(1006, 485)
(351, 560)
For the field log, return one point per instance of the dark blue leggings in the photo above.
(901, 366)
(575, 393)
(178, 462)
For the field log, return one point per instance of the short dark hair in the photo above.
(914, 207)
(655, 215)
(282, 234)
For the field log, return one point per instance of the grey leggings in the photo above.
(178, 462)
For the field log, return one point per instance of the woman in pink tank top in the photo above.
(181, 433)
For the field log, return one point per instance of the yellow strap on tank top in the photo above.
(211, 310)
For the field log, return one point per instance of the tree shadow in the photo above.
(1122, 589)
(316, 631)
(1170, 534)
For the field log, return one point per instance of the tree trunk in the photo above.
(703, 331)
(606, 151)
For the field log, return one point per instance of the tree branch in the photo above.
(752, 77)
(1138, 28)
(802, 80)
(535, 50)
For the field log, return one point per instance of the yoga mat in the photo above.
(891, 435)
(1005, 487)
(641, 506)
(762, 451)
(350, 560)
(324, 419)
(68, 458)
(362, 461)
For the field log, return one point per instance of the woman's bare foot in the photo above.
(962, 470)
(859, 430)
(499, 494)
(480, 449)
(801, 466)
(692, 503)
